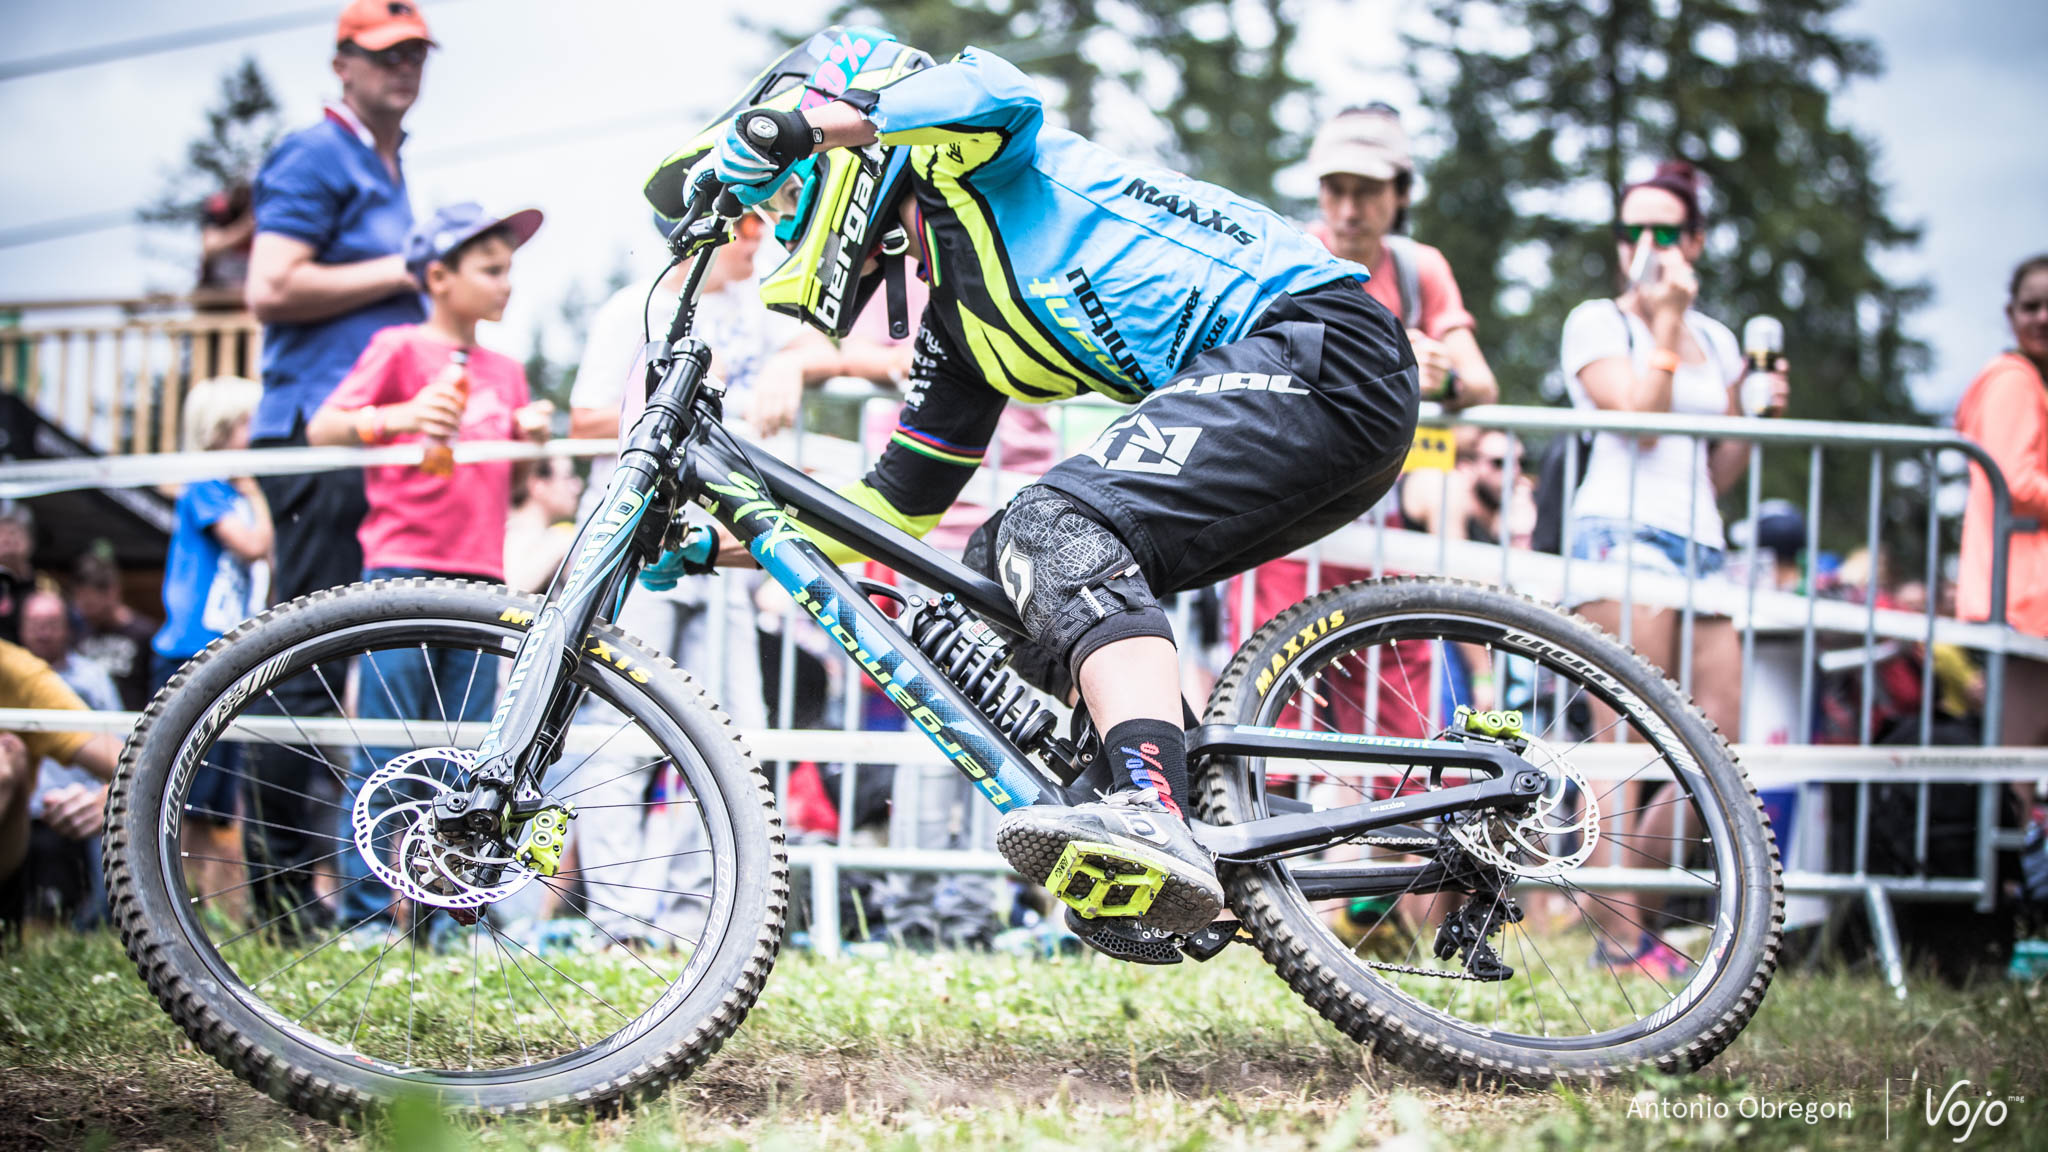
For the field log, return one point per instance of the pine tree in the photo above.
(1219, 87)
(241, 128)
(1559, 102)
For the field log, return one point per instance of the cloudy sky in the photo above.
(566, 107)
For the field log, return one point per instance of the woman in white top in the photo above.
(1651, 501)
(1648, 351)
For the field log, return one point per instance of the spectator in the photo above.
(542, 526)
(2006, 410)
(63, 874)
(227, 226)
(1647, 350)
(325, 273)
(645, 851)
(1499, 514)
(1366, 177)
(74, 811)
(17, 538)
(111, 634)
(1780, 530)
(227, 230)
(406, 387)
(221, 528)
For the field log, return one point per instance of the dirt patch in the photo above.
(69, 1108)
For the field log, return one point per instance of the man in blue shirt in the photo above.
(325, 273)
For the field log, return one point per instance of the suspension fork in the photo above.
(540, 698)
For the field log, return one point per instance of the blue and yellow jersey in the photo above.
(1057, 266)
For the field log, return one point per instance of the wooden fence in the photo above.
(118, 385)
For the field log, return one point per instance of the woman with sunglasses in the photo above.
(1650, 501)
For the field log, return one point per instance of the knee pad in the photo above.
(1074, 583)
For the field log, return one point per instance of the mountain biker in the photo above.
(1274, 399)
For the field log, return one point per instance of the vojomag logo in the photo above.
(1965, 1110)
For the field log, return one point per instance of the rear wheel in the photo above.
(359, 955)
(1631, 919)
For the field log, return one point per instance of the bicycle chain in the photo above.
(1400, 843)
(1439, 973)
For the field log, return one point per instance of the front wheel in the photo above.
(1630, 919)
(350, 952)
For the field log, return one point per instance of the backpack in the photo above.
(1548, 535)
(1407, 278)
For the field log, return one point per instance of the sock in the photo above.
(1151, 754)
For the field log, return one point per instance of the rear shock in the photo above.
(974, 657)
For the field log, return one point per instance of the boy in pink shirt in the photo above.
(407, 387)
(404, 388)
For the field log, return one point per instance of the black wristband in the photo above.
(793, 138)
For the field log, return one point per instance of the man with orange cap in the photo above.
(326, 272)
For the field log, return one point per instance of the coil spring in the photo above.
(974, 657)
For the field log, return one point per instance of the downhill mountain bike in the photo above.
(1447, 884)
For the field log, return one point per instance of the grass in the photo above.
(962, 1051)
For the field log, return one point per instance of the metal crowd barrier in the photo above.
(1775, 759)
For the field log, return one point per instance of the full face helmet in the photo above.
(845, 210)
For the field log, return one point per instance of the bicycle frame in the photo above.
(679, 451)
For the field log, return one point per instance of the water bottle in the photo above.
(1763, 343)
(439, 459)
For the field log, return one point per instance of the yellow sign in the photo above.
(1433, 451)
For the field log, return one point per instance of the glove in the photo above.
(694, 558)
(752, 167)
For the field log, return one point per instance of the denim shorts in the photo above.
(1656, 550)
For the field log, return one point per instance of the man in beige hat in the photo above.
(1361, 159)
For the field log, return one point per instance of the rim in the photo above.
(1353, 679)
(542, 994)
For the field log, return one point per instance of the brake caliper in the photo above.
(1498, 725)
(547, 833)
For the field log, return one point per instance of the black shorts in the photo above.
(1258, 447)
(316, 516)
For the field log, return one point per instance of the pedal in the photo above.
(1204, 945)
(1119, 940)
(547, 834)
(1098, 881)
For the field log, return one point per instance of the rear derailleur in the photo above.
(1464, 934)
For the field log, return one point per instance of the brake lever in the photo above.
(706, 221)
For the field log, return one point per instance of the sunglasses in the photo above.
(410, 52)
(1665, 235)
